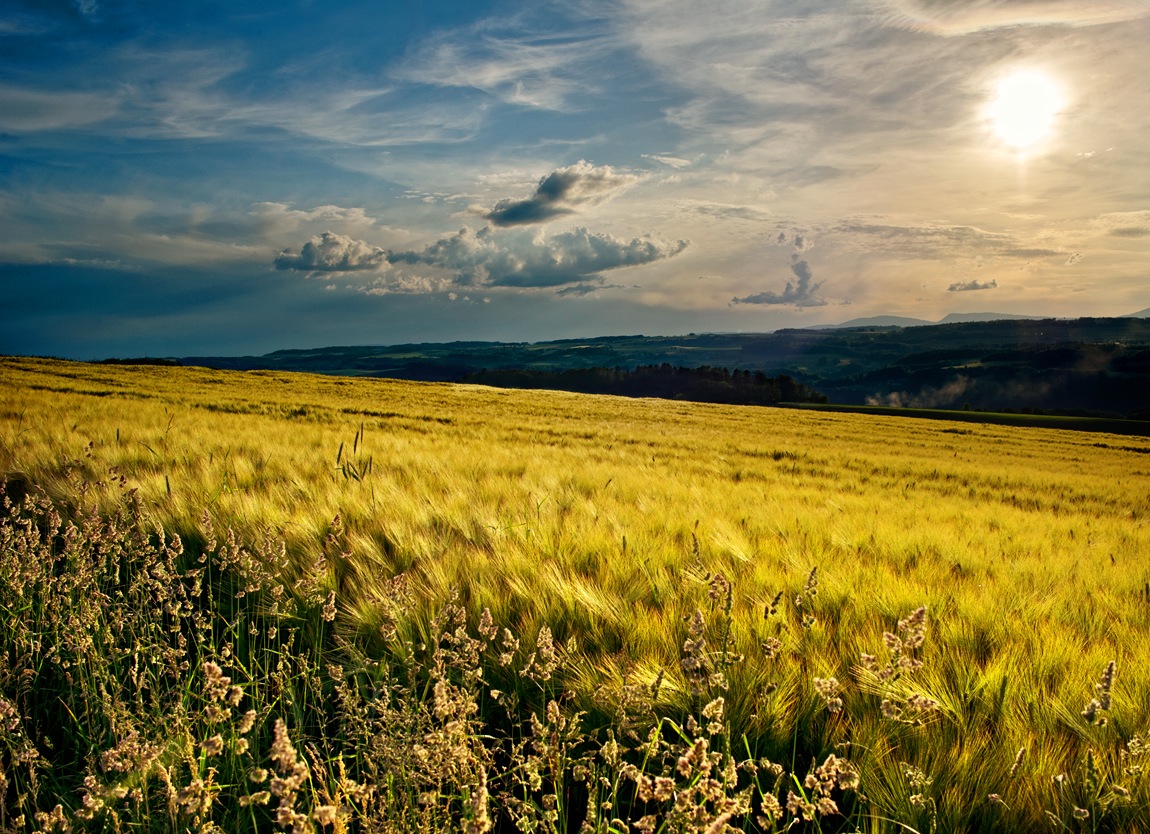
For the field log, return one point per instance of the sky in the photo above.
(220, 178)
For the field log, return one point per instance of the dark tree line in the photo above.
(706, 384)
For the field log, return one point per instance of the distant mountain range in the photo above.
(998, 362)
(904, 321)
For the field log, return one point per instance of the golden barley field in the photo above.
(427, 607)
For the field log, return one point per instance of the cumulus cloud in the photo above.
(560, 193)
(960, 17)
(972, 284)
(800, 293)
(399, 282)
(483, 258)
(331, 252)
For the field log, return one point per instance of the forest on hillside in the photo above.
(705, 384)
(1087, 366)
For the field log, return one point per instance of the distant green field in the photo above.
(397, 606)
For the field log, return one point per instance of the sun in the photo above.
(1023, 109)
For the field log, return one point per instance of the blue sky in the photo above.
(198, 178)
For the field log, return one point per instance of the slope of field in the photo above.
(611, 522)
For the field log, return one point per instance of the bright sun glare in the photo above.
(1023, 109)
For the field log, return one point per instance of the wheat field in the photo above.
(425, 607)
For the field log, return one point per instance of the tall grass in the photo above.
(722, 598)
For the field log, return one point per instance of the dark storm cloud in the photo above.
(587, 288)
(483, 258)
(802, 293)
(331, 252)
(560, 192)
(972, 284)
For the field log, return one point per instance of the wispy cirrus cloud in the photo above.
(962, 17)
(1029, 252)
(139, 89)
(668, 160)
(1129, 224)
(922, 240)
(511, 60)
(561, 192)
(799, 96)
(270, 219)
(130, 229)
(25, 109)
(725, 211)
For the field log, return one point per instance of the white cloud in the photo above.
(484, 258)
(402, 282)
(331, 252)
